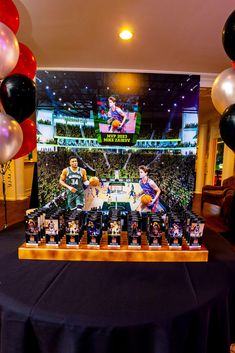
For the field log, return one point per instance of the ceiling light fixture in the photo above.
(125, 34)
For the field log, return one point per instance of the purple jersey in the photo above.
(148, 190)
(115, 115)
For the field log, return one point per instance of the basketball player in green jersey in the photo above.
(73, 178)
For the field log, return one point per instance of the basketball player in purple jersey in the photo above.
(148, 187)
(116, 113)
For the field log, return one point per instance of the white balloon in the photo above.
(9, 50)
(223, 90)
(11, 137)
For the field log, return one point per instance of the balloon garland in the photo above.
(17, 93)
(223, 88)
(17, 89)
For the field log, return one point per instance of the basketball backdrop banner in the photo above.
(111, 124)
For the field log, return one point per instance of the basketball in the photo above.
(94, 181)
(146, 199)
(116, 124)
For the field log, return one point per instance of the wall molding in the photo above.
(206, 79)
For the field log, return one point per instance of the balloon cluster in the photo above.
(223, 89)
(17, 89)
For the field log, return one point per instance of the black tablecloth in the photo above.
(97, 307)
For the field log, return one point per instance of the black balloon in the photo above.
(18, 96)
(227, 127)
(228, 36)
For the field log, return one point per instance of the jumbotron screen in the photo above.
(118, 120)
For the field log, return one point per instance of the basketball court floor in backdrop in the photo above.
(114, 193)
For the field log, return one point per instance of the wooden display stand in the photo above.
(122, 254)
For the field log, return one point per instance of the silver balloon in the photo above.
(9, 50)
(11, 137)
(223, 90)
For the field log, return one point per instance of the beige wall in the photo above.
(18, 179)
(208, 134)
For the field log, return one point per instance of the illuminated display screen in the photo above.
(118, 120)
(152, 120)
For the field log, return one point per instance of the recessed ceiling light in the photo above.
(125, 34)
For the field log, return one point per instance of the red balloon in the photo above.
(29, 138)
(9, 15)
(26, 64)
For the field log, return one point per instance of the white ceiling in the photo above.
(169, 36)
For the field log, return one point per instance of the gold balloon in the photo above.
(223, 90)
(11, 137)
